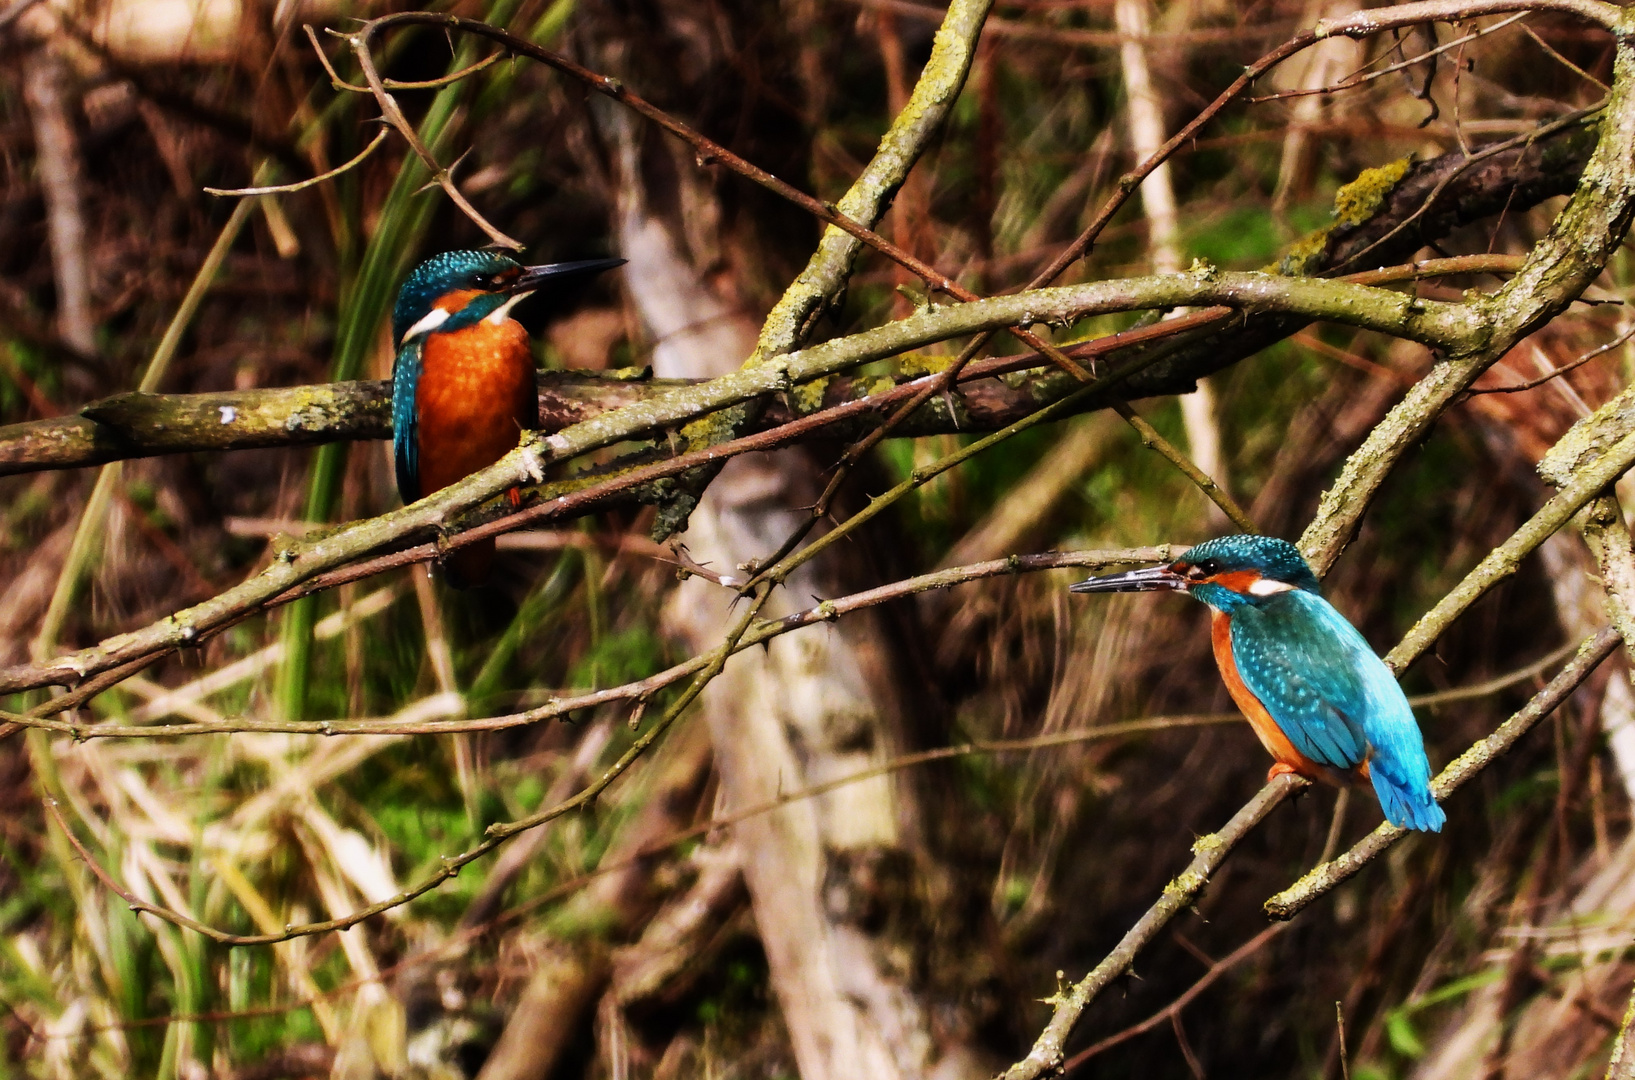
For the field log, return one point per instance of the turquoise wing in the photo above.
(1301, 659)
(405, 437)
(1335, 699)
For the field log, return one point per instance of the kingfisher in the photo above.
(463, 386)
(1322, 703)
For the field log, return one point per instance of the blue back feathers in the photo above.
(1335, 699)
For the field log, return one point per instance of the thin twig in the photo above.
(1358, 78)
(302, 185)
(1208, 854)
(1558, 372)
(1173, 1009)
(1563, 61)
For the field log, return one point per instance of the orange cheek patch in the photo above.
(1236, 580)
(454, 301)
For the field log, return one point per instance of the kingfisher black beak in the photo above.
(1150, 579)
(533, 277)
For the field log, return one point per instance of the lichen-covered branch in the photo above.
(1558, 269)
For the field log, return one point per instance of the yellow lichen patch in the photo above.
(712, 430)
(916, 364)
(1354, 204)
(1211, 844)
(865, 385)
(808, 397)
(1361, 199)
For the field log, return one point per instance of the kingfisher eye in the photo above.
(482, 281)
(1207, 568)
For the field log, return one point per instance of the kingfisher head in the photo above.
(1224, 573)
(461, 288)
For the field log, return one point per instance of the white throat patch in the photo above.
(430, 321)
(503, 312)
(1268, 587)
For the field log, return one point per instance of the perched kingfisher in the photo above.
(463, 380)
(1319, 699)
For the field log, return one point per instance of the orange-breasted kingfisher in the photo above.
(463, 386)
(1318, 697)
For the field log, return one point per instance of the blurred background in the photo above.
(903, 925)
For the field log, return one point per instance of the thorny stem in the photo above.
(394, 116)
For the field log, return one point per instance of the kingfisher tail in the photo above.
(1407, 805)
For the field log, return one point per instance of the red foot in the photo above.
(515, 495)
(1278, 769)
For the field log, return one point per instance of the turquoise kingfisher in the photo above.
(1319, 699)
(463, 387)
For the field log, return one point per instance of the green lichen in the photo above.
(1354, 204)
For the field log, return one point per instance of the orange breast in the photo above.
(476, 394)
(1271, 736)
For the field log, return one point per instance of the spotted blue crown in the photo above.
(1272, 558)
(442, 274)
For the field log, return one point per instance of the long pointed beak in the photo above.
(535, 276)
(1151, 579)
